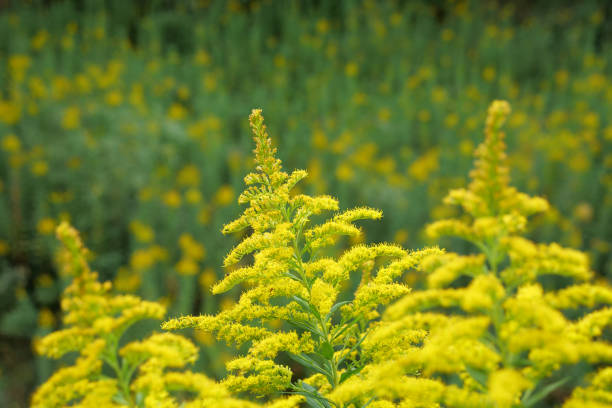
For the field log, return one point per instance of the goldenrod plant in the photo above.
(147, 373)
(492, 329)
(294, 278)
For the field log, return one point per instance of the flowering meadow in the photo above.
(425, 221)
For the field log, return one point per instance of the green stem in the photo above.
(123, 375)
(297, 252)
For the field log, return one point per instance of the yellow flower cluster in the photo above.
(145, 372)
(293, 278)
(490, 329)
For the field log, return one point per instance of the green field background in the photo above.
(130, 120)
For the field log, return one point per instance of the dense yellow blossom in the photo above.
(292, 279)
(95, 321)
(490, 318)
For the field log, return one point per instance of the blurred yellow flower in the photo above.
(439, 95)
(46, 318)
(113, 98)
(177, 111)
(322, 26)
(189, 175)
(4, 248)
(191, 248)
(384, 114)
(40, 39)
(447, 35)
(71, 118)
(202, 58)
(172, 199)
(344, 172)
(39, 168)
(424, 115)
(207, 278)
(319, 140)
(225, 195)
(451, 120)
(186, 266)
(401, 236)
(584, 212)
(210, 82)
(46, 226)
(193, 196)
(127, 280)
(10, 112)
(204, 216)
(351, 69)
(422, 167)
(142, 232)
(488, 74)
(18, 65)
(11, 144)
(466, 147)
(561, 77)
(359, 98)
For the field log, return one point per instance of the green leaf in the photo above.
(335, 308)
(478, 375)
(326, 350)
(351, 371)
(532, 399)
(308, 362)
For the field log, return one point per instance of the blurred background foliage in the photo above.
(130, 120)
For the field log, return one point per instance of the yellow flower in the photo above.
(344, 172)
(451, 120)
(351, 69)
(421, 168)
(46, 226)
(40, 168)
(187, 266)
(142, 232)
(359, 98)
(188, 176)
(11, 144)
(172, 199)
(193, 196)
(424, 115)
(384, 114)
(4, 248)
(225, 195)
(401, 236)
(584, 212)
(202, 58)
(71, 118)
(18, 65)
(439, 95)
(46, 318)
(204, 216)
(207, 278)
(113, 98)
(447, 35)
(143, 259)
(319, 140)
(191, 248)
(488, 74)
(177, 111)
(210, 82)
(39, 40)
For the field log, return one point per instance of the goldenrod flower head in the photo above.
(488, 317)
(281, 262)
(95, 320)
